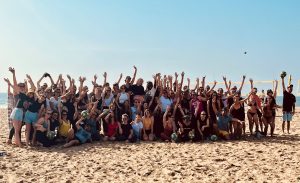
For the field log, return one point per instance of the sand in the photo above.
(268, 160)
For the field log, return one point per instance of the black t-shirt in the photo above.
(99, 106)
(185, 103)
(21, 98)
(54, 124)
(128, 88)
(126, 129)
(288, 101)
(138, 90)
(71, 109)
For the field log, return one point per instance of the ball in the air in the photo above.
(51, 135)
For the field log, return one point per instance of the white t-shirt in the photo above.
(55, 102)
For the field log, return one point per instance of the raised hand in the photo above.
(176, 75)
(182, 74)
(224, 78)
(134, 67)
(251, 80)
(12, 70)
(28, 77)
(244, 77)
(7, 80)
(105, 75)
(95, 77)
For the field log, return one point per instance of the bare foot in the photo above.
(9, 142)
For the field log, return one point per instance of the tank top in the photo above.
(64, 128)
(123, 98)
(147, 123)
(238, 113)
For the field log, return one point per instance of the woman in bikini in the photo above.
(252, 115)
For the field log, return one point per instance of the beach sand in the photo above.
(268, 160)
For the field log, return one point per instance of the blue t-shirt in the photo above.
(165, 102)
(223, 122)
(93, 125)
(82, 135)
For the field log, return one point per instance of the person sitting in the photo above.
(126, 132)
(81, 136)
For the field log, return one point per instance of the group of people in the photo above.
(166, 110)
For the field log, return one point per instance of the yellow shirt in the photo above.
(64, 128)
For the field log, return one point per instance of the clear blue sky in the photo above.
(200, 37)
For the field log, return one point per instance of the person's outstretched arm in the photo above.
(134, 75)
(243, 81)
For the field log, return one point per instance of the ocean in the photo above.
(3, 100)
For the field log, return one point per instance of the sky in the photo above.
(201, 38)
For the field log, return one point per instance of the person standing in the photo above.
(288, 106)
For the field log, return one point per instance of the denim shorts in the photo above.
(30, 117)
(287, 116)
(17, 114)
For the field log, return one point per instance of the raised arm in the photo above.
(170, 78)
(15, 85)
(189, 82)
(134, 75)
(181, 83)
(32, 86)
(70, 82)
(197, 84)
(282, 82)
(212, 88)
(51, 80)
(203, 81)
(226, 85)
(120, 78)
(81, 80)
(275, 89)
(105, 78)
(251, 83)
(40, 80)
(8, 86)
(243, 81)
